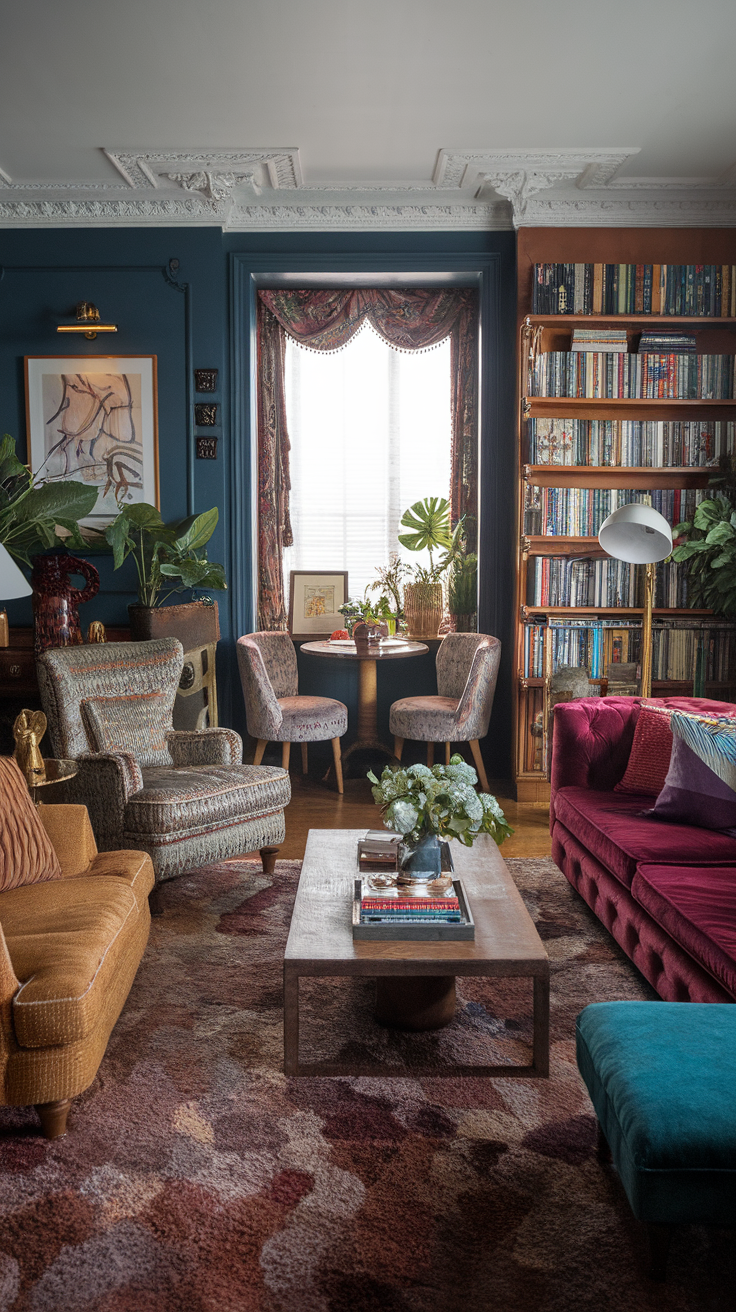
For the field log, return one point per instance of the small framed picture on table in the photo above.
(315, 598)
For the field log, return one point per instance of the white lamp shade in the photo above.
(13, 583)
(636, 533)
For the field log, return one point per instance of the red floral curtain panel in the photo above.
(323, 320)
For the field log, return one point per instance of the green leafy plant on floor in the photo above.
(168, 558)
(441, 800)
(31, 512)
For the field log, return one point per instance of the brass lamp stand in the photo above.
(638, 534)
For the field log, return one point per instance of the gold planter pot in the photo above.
(423, 609)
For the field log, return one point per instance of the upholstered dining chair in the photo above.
(467, 669)
(182, 796)
(275, 712)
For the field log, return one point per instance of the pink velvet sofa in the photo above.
(665, 891)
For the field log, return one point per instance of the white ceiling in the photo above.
(368, 94)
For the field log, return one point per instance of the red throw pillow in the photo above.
(650, 753)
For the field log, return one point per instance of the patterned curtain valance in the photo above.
(411, 319)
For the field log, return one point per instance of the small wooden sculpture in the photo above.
(28, 730)
(96, 632)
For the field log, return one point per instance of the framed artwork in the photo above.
(314, 602)
(95, 418)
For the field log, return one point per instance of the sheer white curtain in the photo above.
(370, 431)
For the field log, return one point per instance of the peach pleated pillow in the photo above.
(26, 854)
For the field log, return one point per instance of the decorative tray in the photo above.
(437, 932)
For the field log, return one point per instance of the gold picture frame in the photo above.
(315, 597)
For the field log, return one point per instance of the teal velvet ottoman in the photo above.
(662, 1079)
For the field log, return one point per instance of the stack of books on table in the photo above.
(379, 848)
(393, 913)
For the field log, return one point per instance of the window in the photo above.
(371, 431)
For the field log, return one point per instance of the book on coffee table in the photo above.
(394, 914)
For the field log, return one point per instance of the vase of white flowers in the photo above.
(425, 805)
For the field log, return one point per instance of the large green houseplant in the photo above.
(708, 545)
(33, 512)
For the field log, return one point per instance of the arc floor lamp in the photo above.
(638, 534)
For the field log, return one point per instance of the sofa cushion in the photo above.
(188, 802)
(650, 753)
(696, 905)
(26, 854)
(136, 724)
(693, 794)
(66, 940)
(611, 826)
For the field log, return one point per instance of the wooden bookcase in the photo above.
(593, 246)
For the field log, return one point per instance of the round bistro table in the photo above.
(387, 650)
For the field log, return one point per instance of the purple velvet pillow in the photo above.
(693, 794)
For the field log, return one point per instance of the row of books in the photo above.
(599, 646)
(614, 376)
(659, 342)
(578, 512)
(568, 581)
(707, 290)
(594, 645)
(634, 443)
(395, 908)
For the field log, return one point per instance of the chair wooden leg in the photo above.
(475, 749)
(285, 753)
(52, 1116)
(448, 753)
(430, 754)
(603, 1151)
(398, 747)
(305, 759)
(659, 1237)
(268, 859)
(337, 753)
(260, 749)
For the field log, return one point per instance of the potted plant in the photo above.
(708, 544)
(31, 515)
(426, 804)
(429, 521)
(388, 584)
(169, 558)
(31, 512)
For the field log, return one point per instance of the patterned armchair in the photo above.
(467, 669)
(274, 710)
(182, 796)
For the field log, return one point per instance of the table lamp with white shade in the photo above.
(13, 583)
(638, 534)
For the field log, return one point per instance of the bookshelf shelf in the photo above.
(541, 332)
(586, 407)
(562, 546)
(629, 320)
(530, 611)
(616, 476)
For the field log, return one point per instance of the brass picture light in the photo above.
(87, 321)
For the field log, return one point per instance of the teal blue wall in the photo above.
(202, 317)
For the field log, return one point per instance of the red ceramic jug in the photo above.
(56, 601)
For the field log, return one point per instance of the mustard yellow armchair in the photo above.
(69, 951)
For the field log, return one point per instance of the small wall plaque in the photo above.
(206, 448)
(205, 416)
(205, 380)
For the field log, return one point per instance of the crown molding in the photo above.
(471, 189)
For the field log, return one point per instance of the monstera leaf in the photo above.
(430, 523)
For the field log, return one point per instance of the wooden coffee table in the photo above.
(415, 981)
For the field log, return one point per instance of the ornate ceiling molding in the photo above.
(262, 189)
(583, 188)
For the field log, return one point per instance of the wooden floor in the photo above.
(316, 805)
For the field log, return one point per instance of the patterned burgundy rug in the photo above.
(196, 1178)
